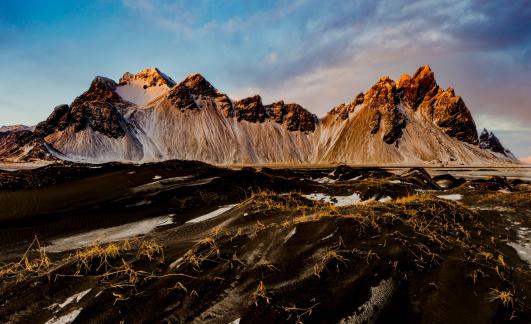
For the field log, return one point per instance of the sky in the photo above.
(312, 52)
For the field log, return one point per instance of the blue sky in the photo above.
(311, 52)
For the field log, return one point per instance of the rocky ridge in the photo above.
(489, 141)
(145, 115)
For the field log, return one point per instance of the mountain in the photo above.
(149, 117)
(489, 141)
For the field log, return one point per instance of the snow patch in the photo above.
(324, 180)
(212, 214)
(76, 297)
(340, 200)
(65, 319)
(453, 197)
(139, 92)
(175, 264)
(523, 243)
(368, 312)
(290, 234)
(107, 235)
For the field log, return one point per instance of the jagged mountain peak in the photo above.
(101, 89)
(420, 86)
(489, 141)
(143, 87)
(150, 77)
(198, 85)
(145, 118)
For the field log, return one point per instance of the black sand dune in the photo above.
(312, 245)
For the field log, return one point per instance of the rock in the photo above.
(492, 183)
(421, 178)
(489, 141)
(447, 181)
(294, 116)
(375, 122)
(250, 109)
(450, 113)
(419, 87)
(384, 100)
(199, 86)
(181, 97)
(151, 77)
(443, 108)
(96, 108)
(343, 110)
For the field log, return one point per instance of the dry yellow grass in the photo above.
(260, 294)
(505, 297)
(329, 257)
(27, 266)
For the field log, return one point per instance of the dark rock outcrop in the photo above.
(199, 86)
(292, 115)
(489, 141)
(22, 145)
(96, 108)
(420, 87)
(343, 110)
(181, 97)
(421, 178)
(384, 100)
(441, 107)
(250, 109)
(196, 87)
(448, 181)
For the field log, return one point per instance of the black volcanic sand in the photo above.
(402, 255)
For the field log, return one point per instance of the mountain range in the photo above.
(148, 117)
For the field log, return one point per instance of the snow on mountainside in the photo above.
(149, 117)
(143, 86)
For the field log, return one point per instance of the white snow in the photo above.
(160, 183)
(212, 214)
(341, 200)
(395, 181)
(236, 321)
(368, 312)
(107, 235)
(385, 199)
(175, 264)
(523, 243)
(65, 319)
(76, 297)
(134, 92)
(453, 197)
(324, 180)
(504, 191)
(290, 234)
